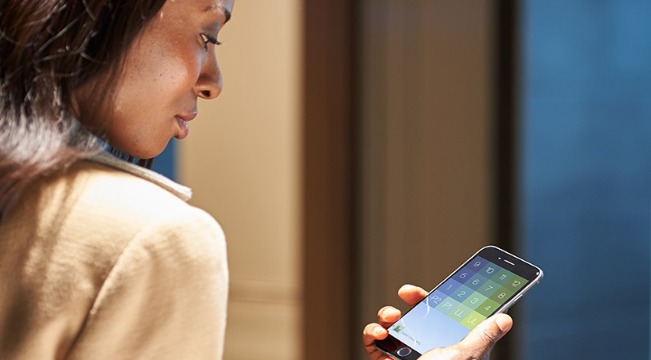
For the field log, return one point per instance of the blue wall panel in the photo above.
(585, 177)
(165, 163)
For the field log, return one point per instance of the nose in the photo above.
(209, 84)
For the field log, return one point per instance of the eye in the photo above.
(209, 39)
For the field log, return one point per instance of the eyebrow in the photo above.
(213, 7)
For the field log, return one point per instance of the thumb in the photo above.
(480, 341)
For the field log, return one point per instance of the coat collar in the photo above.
(181, 191)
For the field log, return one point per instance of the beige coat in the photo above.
(108, 262)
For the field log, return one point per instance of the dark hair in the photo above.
(48, 48)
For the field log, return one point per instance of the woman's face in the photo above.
(168, 67)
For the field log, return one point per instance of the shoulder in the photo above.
(165, 295)
(103, 213)
(114, 190)
(106, 194)
(139, 210)
(107, 251)
(109, 213)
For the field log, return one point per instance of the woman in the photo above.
(100, 257)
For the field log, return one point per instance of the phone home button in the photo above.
(403, 351)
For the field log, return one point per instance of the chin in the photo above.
(150, 154)
(142, 153)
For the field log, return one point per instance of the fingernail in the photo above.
(389, 312)
(503, 323)
(378, 331)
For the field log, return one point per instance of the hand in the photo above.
(386, 317)
(477, 345)
(479, 342)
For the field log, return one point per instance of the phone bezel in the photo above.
(503, 258)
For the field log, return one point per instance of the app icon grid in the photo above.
(475, 292)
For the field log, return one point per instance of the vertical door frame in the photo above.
(506, 100)
(328, 156)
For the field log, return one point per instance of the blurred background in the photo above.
(362, 144)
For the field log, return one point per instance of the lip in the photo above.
(187, 117)
(182, 120)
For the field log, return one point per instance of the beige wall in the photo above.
(426, 143)
(242, 160)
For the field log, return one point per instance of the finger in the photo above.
(371, 333)
(482, 338)
(388, 315)
(411, 294)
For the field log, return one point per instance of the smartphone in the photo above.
(489, 282)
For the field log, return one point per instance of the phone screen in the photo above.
(471, 294)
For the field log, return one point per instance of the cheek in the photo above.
(176, 65)
(177, 73)
(164, 69)
(147, 100)
(165, 78)
(157, 88)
